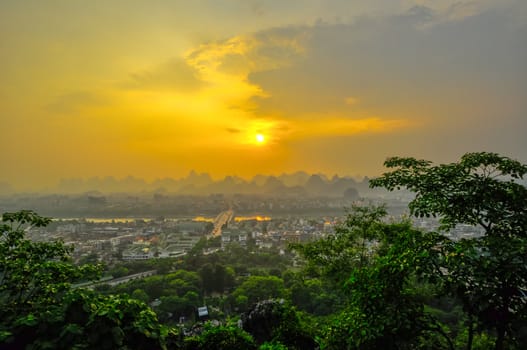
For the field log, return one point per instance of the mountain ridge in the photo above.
(297, 183)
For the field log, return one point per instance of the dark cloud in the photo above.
(416, 63)
(257, 8)
(233, 130)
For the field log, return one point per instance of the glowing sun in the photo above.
(260, 138)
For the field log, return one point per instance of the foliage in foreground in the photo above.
(384, 261)
(394, 277)
(276, 322)
(487, 274)
(40, 309)
(221, 338)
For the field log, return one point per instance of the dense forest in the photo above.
(376, 282)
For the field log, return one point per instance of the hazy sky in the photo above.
(157, 88)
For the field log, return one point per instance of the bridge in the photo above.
(222, 218)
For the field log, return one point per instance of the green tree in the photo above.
(276, 322)
(487, 273)
(91, 320)
(40, 309)
(214, 277)
(351, 245)
(221, 338)
(33, 275)
(272, 346)
(380, 262)
(119, 271)
(259, 288)
(385, 310)
(162, 266)
(175, 283)
(172, 307)
(314, 296)
(140, 294)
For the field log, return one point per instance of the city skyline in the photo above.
(156, 89)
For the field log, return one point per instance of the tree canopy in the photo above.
(481, 189)
(40, 309)
(487, 273)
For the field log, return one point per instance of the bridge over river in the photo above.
(222, 218)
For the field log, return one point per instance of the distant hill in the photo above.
(296, 184)
(296, 179)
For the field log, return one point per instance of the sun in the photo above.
(260, 138)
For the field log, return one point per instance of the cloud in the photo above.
(425, 68)
(257, 8)
(244, 54)
(351, 101)
(174, 74)
(397, 67)
(453, 10)
(334, 126)
(74, 102)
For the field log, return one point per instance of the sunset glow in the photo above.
(153, 91)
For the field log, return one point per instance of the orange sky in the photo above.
(157, 88)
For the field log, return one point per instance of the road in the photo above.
(115, 281)
(125, 279)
